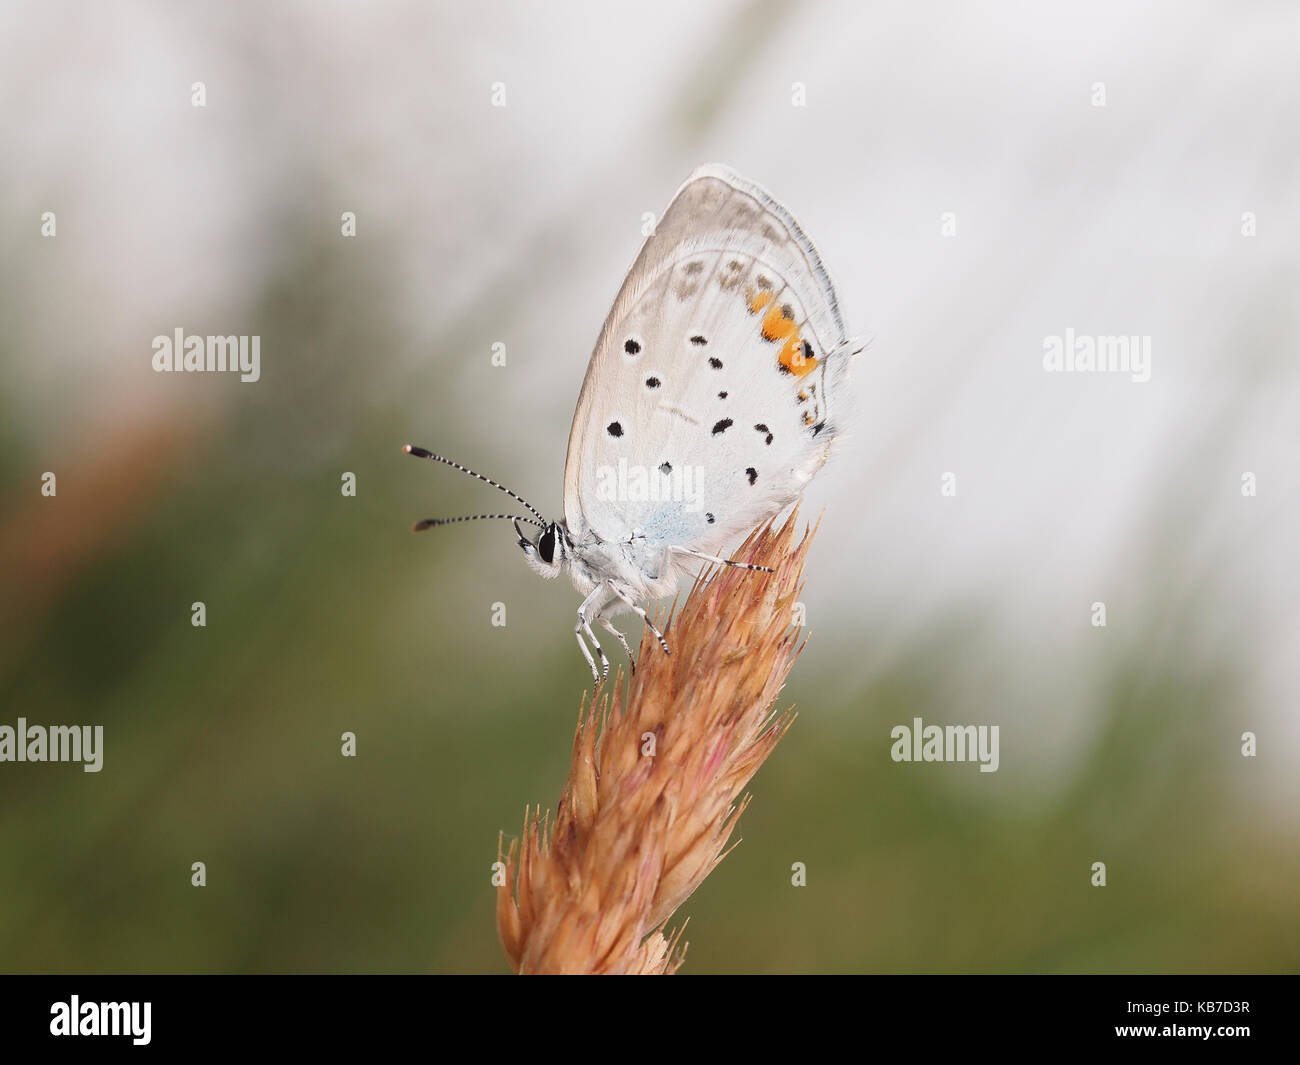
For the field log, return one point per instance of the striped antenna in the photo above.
(421, 453)
(432, 523)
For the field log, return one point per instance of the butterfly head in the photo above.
(545, 555)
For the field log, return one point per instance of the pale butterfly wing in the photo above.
(722, 362)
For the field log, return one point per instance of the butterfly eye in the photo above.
(546, 546)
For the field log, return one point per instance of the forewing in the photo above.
(708, 402)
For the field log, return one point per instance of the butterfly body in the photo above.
(711, 399)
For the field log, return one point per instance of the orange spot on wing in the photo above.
(792, 357)
(776, 326)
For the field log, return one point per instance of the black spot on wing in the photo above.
(614, 429)
(722, 395)
(665, 468)
(652, 382)
(632, 347)
(716, 363)
(698, 340)
(752, 474)
(708, 518)
(764, 429)
(722, 426)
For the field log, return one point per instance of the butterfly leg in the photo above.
(591, 607)
(608, 626)
(640, 611)
(582, 646)
(720, 561)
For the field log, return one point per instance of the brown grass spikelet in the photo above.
(654, 787)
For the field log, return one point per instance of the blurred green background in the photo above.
(478, 225)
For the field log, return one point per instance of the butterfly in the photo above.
(710, 401)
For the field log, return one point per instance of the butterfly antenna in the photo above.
(431, 523)
(421, 453)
